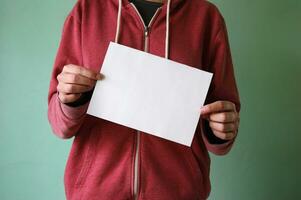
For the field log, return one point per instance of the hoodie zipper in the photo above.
(136, 160)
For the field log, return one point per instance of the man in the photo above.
(110, 161)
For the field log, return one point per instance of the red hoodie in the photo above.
(109, 161)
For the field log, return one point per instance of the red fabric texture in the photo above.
(101, 160)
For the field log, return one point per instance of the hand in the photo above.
(223, 119)
(74, 80)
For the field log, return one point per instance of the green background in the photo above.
(265, 162)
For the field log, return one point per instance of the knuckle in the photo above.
(233, 105)
(66, 67)
(237, 116)
(233, 116)
(59, 87)
(58, 77)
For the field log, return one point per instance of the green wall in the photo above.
(265, 162)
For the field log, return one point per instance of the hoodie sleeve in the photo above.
(223, 87)
(65, 120)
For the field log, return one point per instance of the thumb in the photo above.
(205, 114)
(205, 110)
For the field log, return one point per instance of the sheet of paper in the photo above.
(149, 93)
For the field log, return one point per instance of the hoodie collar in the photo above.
(167, 5)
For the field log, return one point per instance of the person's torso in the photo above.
(102, 161)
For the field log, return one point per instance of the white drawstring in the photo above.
(167, 26)
(167, 30)
(118, 21)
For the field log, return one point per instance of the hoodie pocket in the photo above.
(191, 175)
(195, 167)
(91, 131)
(200, 164)
(83, 172)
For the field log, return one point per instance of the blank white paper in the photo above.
(149, 93)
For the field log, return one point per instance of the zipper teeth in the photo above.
(146, 29)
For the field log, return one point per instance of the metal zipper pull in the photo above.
(146, 32)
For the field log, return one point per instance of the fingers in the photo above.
(75, 79)
(67, 98)
(218, 106)
(224, 127)
(72, 88)
(224, 117)
(74, 69)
